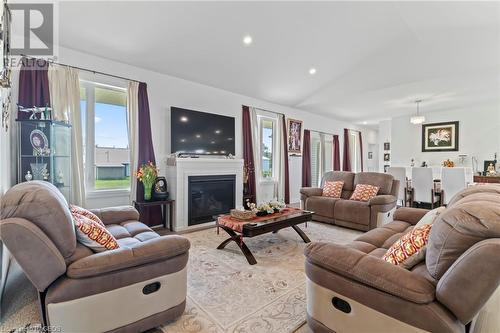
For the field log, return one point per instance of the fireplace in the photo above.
(209, 196)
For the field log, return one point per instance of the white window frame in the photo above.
(269, 116)
(89, 172)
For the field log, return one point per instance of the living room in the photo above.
(247, 111)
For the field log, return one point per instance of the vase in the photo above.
(148, 187)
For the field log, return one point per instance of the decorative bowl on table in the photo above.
(242, 214)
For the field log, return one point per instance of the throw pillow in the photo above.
(409, 250)
(430, 217)
(364, 192)
(86, 213)
(93, 235)
(333, 189)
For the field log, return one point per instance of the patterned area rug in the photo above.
(225, 293)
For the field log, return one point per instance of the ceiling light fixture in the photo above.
(312, 71)
(247, 40)
(417, 119)
(365, 123)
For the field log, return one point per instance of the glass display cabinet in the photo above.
(45, 153)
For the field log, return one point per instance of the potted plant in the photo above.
(146, 175)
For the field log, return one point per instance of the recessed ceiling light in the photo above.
(184, 119)
(247, 40)
(312, 71)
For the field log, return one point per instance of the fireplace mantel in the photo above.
(180, 169)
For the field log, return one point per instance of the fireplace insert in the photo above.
(209, 196)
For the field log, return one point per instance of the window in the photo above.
(354, 151)
(105, 136)
(267, 144)
(321, 156)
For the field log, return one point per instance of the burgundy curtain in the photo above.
(306, 159)
(248, 153)
(346, 164)
(285, 156)
(33, 85)
(336, 153)
(361, 150)
(151, 215)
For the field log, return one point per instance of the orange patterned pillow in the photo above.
(409, 250)
(364, 192)
(86, 213)
(93, 235)
(333, 189)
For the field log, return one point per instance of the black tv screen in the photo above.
(201, 133)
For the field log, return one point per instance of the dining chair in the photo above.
(400, 174)
(453, 180)
(423, 187)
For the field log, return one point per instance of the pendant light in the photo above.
(417, 119)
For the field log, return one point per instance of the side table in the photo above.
(163, 204)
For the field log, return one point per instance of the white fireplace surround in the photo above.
(178, 171)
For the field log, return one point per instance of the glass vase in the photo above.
(148, 187)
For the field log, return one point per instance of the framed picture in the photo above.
(294, 137)
(387, 146)
(489, 167)
(386, 168)
(370, 155)
(387, 157)
(440, 137)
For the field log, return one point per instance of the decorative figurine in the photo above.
(160, 189)
(28, 176)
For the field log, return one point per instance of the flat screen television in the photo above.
(201, 133)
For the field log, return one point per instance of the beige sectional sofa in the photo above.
(134, 288)
(350, 289)
(348, 213)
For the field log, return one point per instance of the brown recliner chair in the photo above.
(349, 213)
(131, 289)
(350, 289)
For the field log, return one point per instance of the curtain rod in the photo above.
(83, 69)
(311, 130)
(266, 110)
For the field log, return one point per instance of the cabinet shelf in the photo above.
(54, 136)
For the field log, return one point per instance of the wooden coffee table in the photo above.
(237, 230)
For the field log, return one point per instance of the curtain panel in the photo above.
(248, 153)
(33, 85)
(336, 153)
(346, 163)
(283, 177)
(306, 159)
(64, 86)
(151, 215)
(361, 150)
(133, 135)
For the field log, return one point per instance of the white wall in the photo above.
(479, 136)
(166, 91)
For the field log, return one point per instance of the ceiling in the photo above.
(373, 59)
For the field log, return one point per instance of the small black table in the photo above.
(163, 204)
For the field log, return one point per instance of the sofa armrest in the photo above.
(410, 215)
(153, 250)
(386, 199)
(370, 271)
(310, 192)
(116, 215)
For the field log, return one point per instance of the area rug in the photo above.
(225, 293)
